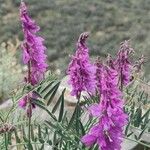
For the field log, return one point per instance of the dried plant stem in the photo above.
(121, 81)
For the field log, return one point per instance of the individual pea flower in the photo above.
(108, 131)
(81, 71)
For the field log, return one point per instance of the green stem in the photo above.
(29, 104)
(6, 142)
(2, 120)
(9, 112)
(29, 124)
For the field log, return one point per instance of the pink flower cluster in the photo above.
(80, 70)
(108, 132)
(122, 63)
(33, 52)
(33, 48)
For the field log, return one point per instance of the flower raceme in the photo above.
(108, 131)
(33, 51)
(81, 72)
(33, 48)
(122, 63)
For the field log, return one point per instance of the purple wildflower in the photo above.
(122, 63)
(33, 48)
(108, 131)
(23, 102)
(80, 70)
(33, 53)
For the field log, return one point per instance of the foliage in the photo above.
(137, 106)
(10, 70)
(58, 131)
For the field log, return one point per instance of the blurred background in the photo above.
(62, 21)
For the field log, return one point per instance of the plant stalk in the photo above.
(29, 124)
(29, 110)
(6, 142)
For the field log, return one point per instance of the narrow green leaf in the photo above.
(73, 117)
(61, 107)
(65, 119)
(127, 128)
(17, 137)
(130, 134)
(57, 104)
(9, 138)
(46, 130)
(38, 103)
(40, 135)
(135, 137)
(146, 113)
(42, 147)
(53, 93)
(146, 98)
(48, 94)
(29, 145)
(96, 147)
(39, 132)
(142, 132)
(24, 135)
(38, 89)
(82, 128)
(46, 87)
(55, 141)
(146, 120)
(32, 133)
(137, 117)
(48, 123)
(141, 96)
(77, 118)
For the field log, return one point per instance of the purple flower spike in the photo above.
(33, 48)
(122, 64)
(108, 131)
(33, 55)
(80, 70)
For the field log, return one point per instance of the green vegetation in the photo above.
(56, 129)
(10, 70)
